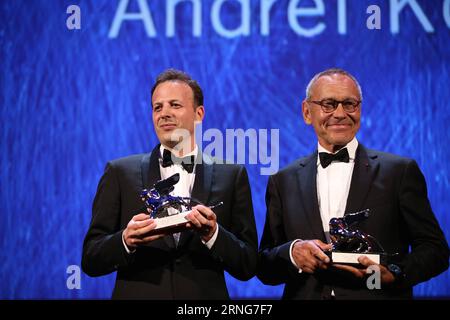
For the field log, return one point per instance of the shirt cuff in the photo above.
(211, 241)
(292, 258)
(126, 247)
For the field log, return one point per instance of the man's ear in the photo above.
(306, 112)
(199, 113)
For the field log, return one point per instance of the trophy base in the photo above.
(171, 224)
(352, 258)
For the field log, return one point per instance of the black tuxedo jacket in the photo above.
(162, 270)
(394, 190)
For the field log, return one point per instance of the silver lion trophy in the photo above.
(169, 211)
(350, 243)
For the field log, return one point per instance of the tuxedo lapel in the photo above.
(307, 177)
(150, 168)
(201, 188)
(203, 179)
(364, 172)
(150, 175)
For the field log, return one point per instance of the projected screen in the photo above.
(75, 93)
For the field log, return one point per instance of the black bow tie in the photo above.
(169, 159)
(327, 158)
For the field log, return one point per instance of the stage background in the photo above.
(70, 100)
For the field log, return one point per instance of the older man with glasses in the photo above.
(342, 177)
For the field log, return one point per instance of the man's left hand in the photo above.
(203, 220)
(386, 276)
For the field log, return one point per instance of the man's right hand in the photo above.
(138, 229)
(309, 255)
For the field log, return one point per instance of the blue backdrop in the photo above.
(72, 99)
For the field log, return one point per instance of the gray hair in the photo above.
(330, 72)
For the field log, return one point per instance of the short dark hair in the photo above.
(177, 75)
(328, 72)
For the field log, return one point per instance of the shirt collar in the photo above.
(192, 153)
(351, 148)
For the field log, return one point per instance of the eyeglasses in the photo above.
(329, 105)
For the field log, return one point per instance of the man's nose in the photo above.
(340, 112)
(165, 111)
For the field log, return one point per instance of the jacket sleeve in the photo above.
(429, 254)
(275, 266)
(236, 247)
(103, 249)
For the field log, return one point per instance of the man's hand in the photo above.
(309, 255)
(136, 232)
(386, 276)
(203, 220)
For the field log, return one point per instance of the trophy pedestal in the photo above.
(171, 224)
(352, 258)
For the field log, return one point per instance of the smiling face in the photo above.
(174, 113)
(337, 128)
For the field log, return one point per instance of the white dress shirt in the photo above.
(333, 186)
(183, 188)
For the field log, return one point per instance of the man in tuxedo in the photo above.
(184, 265)
(342, 177)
